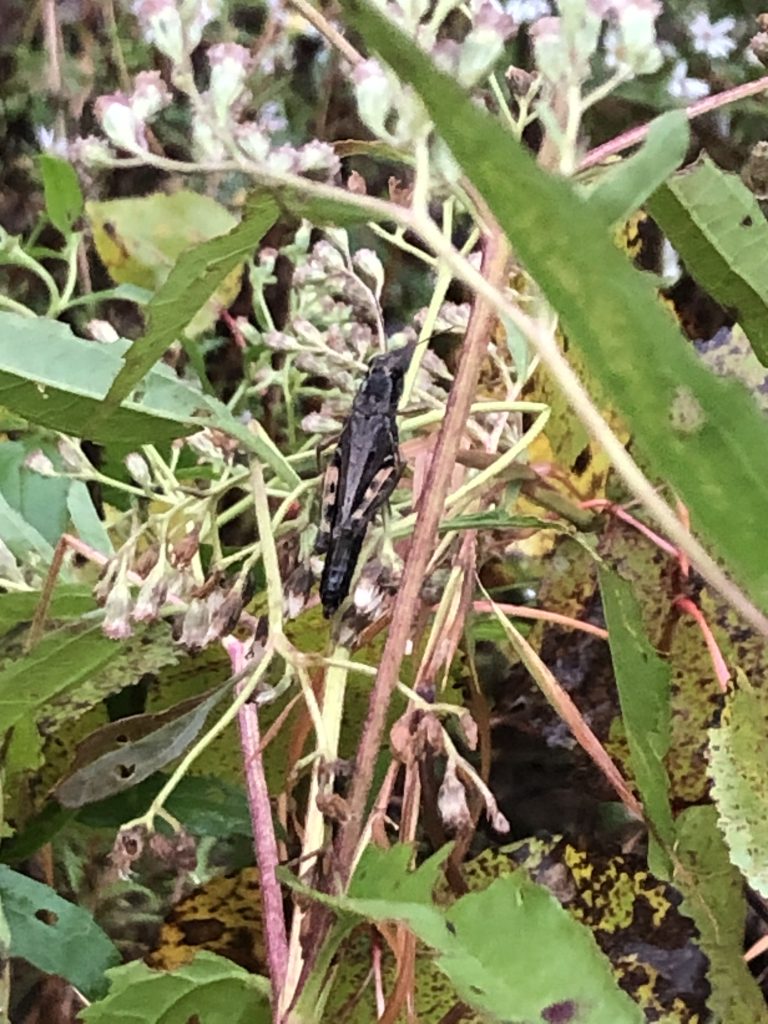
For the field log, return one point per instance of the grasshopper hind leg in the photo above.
(329, 502)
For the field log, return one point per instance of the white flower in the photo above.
(712, 37)
(50, 142)
(39, 462)
(527, 10)
(150, 95)
(681, 87)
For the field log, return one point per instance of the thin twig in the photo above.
(328, 31)
(705, 106)
(262, 827)
(521, 611)
(563, 704)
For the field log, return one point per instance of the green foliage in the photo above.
(197, 274)
(52, 933)
(234, 375)
(63, 197)
(59, 663)
(625, 187)
(487, 973)
(717, 226)
(629, 342)
(736, 766)
(713, 897)
(212, 989)
(58, 381)
(69, 601)
(142, 745)
(40, 501)
(642, 679)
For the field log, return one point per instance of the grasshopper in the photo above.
(362, 473)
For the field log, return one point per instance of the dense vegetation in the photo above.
(519, 775)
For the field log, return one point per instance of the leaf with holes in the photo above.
(141, 745)
(55, 935)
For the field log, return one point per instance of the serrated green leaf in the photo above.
(54, 934)
(717, 226)
(63, 198)
(471, 939)
(713, 896)
(625, 186)
(197, 274)
(209, 989)
(643, 682)
(718, 448)
(740, 786)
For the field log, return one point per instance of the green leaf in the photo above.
(498, 519)
(197, 274)
(55, 935)
(206, 805)
(139, 238)
(471, 937)
(21, 538)
(41, 501)
(59, 381)
(209, 989)
(69, 601)
(63, 198)
(703, 435)
(713, 895)
(740, 787)
(717, 226)
(85, 519)
(163, 737)
(625, 186)
(642, 679)
(60, 662)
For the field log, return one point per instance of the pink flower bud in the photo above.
(230, 66)
(90, 151)
(162, 26)
(39, 462)
(253, 141)
(119, 121)
(150, 95)
(117, 610)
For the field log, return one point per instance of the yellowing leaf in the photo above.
(139, 240)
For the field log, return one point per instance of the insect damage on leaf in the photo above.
(362, 474)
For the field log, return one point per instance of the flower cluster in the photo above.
(224, 124)
(391, 110)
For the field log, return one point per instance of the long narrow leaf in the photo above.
(703, 435)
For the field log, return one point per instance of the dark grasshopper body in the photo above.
(362, 474)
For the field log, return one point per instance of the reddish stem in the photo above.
(705, 106)
(685, 604)
(264, 842)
